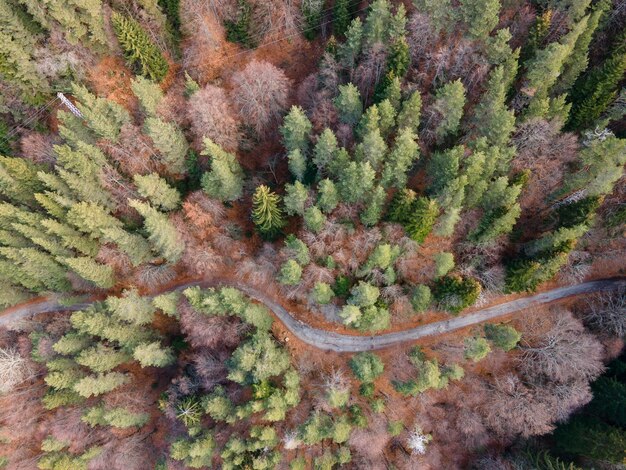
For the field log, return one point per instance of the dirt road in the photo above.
(327, 340)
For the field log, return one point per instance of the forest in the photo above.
(312, 234)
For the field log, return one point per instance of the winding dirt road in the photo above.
(327, 340)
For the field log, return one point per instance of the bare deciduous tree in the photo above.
(260, 93)
(14, 369)
(211, 116)
(556, 348)
(606, 312)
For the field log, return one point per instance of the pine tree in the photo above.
(503, 336)
(421, 298)
(400, 159)
(295, 130)
(87, 268)
(444, 263)
(290, 273)
(225, 180)
(295, 198)
(138, 48)
(322, 293)
(349, 105)
(153, 355)
(480, 17)
(476, 348)
(149, 93)
(449, 103)
(266, 212)
(366, 366)
(170, 142)
(162, 233)
(157, 191)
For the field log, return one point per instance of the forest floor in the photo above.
(331, 341)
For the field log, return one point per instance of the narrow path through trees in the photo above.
(327, 340)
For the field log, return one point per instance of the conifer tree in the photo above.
(449, 103)
(153, 355)
(498, 49)
(356, 181)
(374, 208)
(349, 105)
(441, 13)
(297, 164)
(131, 307)
(350, 49)
(104, 117)
(149, 93)
(325, 149)
(117, 417)
(170, 142)
(95, 385)
(409, 115)
(376, 28)
(596, 90)
(225, 180)
(480, 17)
(101, 358)
(18, 180)
(33, 269)
(503, 336)
(295, 130)
(297, 250)
(443, 168)
(87, 268)
(266, 212)
(341, 16)
(328, 197)
(157, 191)
(290, 273)
(492, 118)
(314, 219)
(422, 219)
(138, 48)
(372, 149)
(162, 233)
(400, 159)
(295, 198)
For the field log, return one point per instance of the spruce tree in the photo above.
(449, 103)
(314, 219)
(295, 198)
(104, 117)
(87, 268)
(95, 385)
(409, 115)
(480, 17)
(170, 142)
(422, 219)
(295, 130)
(374, 208)
(131, 307)
(153, 354)
(328, 197)
(266, 212)
(348, 104)
(441, 13)
(356, 181)
(492, 118)
(350, 49)
(138, 48)
(157, 191)
(101, 358)
(376, 28)
(149, 93)
(399, 161)
(162, 233)
(341, 16)
(225, 180)
(297, 164)
(325, 149)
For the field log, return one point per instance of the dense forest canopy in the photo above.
(171, 170)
